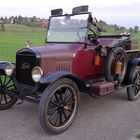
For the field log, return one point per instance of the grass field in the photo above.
(136, 37)
(14, 37)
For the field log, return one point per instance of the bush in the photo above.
(33, 24)
(2, 27)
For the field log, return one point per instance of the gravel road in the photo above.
(112, 117)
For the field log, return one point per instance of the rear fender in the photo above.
(132, 63)
(55, 76)
(135, 61)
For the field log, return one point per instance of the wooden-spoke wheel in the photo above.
(134, 90)
(58, 106)
(114, 56)
(6, 86)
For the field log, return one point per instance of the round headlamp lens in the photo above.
(37, 74)
(9, 69)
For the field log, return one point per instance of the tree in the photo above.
(5, 19)
(116, 27)
(136, 29)
(122, 29)
(131, 30)
(102, 26)
(19, 19)
(1, 18)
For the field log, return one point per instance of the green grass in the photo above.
(14, 39)
(136, 37)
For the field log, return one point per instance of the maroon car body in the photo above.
(67, 57)
(74, 58)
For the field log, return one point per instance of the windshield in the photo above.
(68, 28)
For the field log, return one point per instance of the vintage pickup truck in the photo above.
(74, 60)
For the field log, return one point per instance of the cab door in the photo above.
(83, 64)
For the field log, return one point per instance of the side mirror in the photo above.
(80, 9)
(56, 12)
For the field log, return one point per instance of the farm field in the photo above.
(14, 38)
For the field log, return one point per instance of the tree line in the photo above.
(28, 21)
(38, 22)
(117, 29)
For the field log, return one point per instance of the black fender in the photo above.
(2, 67)
(55, 76)
(132, 63)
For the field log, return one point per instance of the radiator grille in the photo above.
(25, 61)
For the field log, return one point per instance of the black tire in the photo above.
(133, 91)
(58, 106)
(114, 55)
(6, 85)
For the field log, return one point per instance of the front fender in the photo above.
(54, 76)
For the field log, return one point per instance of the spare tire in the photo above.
(116, 54)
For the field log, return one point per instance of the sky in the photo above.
(121, 12)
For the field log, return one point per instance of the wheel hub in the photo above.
(61, 107)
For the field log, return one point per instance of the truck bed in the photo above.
(110, 40)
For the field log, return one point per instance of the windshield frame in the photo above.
(78, 42)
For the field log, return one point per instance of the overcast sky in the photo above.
(122, 12)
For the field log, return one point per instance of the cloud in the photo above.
(125, 15)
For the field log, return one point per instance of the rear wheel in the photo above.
(133, 91)
(115, 55)
(6, 86)
(58, 106)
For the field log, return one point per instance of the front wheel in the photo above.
(133, 91)
(58, 106)
(6, 87)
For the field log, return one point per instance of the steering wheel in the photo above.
(92, 37)
(80, 35)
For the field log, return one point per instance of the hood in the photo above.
(57, 57)
(58, 50)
